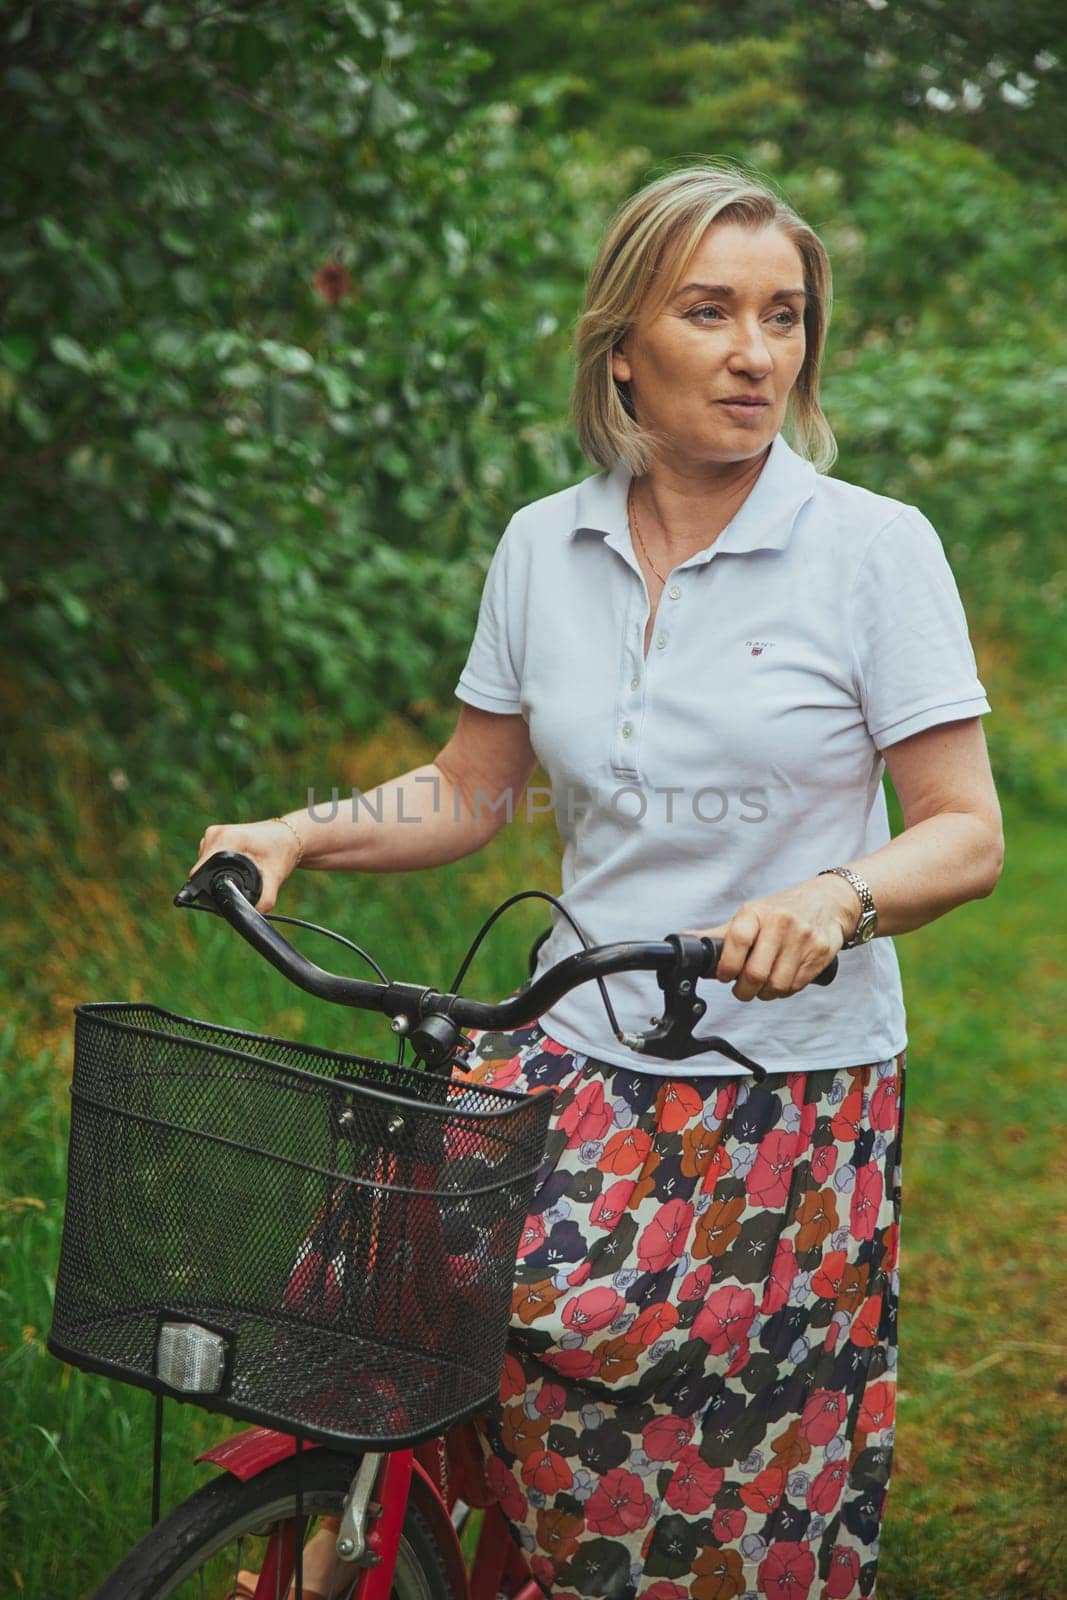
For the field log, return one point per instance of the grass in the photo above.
(976, 1505)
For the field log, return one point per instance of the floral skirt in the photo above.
(698, 1398)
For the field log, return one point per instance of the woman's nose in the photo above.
(750, 352)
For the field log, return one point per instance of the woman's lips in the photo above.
(746, 409)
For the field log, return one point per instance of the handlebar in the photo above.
(230, 884)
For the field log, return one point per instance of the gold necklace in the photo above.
(632, 508)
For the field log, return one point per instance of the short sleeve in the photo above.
(491, 678)
(913, 654)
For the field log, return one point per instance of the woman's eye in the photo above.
(792, 317)
(702, 311)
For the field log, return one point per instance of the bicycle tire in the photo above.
(170, 1558)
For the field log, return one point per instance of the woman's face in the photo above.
(733, 331)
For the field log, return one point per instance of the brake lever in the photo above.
(197, 893)
(671, 1037)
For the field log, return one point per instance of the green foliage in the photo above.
(267, 382)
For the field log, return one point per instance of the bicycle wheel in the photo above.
(196, 1552)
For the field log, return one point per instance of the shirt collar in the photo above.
(764, 521)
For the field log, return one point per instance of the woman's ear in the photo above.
(621, 369)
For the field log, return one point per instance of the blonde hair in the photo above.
(646, 247)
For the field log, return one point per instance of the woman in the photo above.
(712, 649)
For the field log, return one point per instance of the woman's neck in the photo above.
(682, 509)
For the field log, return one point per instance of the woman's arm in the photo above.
(951, 851)
(423, 818)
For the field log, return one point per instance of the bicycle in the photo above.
(350, 1368)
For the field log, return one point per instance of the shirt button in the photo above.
(627, 729)
(661, 642)
(635, 683)
(674, 592)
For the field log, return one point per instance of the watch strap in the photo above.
(868, 920)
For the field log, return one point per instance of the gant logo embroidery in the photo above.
(758, 646)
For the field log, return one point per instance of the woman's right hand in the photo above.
(272, 846)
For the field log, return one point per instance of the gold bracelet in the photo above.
(300, 843)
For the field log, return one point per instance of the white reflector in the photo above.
(190, 1358)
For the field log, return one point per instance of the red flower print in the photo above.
(557, 1532)
(883, 1112)
(823, 1416)
(787, 1572)
(608, 1207)
(587, 1117)
(620, 1504)
(552, 1047)
(864, 1330)
(695, 1284)
(698, 1147)
(828, 1487)
(823, 1161)
(783, 1271)
(695, 1484)
(768, 1182)
(717, 1229)
(551, 1401)
(512, 1379)
(502, 1074)
(728, 1524)
(574, 1363)
(866, 1199)
(593, 1310)
(663, 1241)
(677, 1104)
(509, 1496)
(616, 1358)
(808, 1119)
(665, 1590)
(878, 1408)
(724, 1318)
(543, 1569)
(625, 1151)
(790, 1448)
(546, 1471)
(739, 1360)
(724, 1102)
(719, 1165)
(653, 1323)
(765, 1491)
(664, 1438)
(890, 1247)
(827, 1280)
(533, 1236)
(522, 1435)
(846, 1124)
(532, 1300)
(646, 1182)
(720, 1575)
(817, 1217)
(844, 1573)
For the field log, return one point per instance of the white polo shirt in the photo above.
(822, 625)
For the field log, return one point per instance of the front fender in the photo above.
(251, 1452)
(255, 1450)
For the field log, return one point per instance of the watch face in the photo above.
(867, 927)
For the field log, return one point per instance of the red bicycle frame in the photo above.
(498, 1564)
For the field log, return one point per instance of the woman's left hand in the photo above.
(775, 946)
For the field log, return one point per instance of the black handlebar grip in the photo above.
(199, 891)
(713, 949)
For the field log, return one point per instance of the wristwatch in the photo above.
(867, 926)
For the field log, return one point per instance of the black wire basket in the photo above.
(316, 1242)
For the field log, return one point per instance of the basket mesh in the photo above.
(349, 1225)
